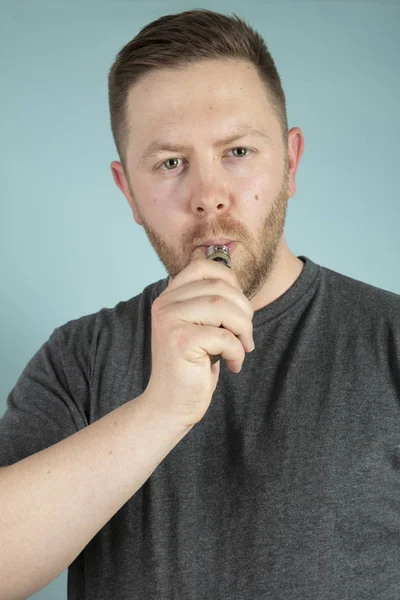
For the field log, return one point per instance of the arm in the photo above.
(54, 502)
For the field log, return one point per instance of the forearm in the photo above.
(55, 501)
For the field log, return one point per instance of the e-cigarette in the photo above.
(219, 253)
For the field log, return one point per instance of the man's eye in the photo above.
(240, 148)
(168, 162)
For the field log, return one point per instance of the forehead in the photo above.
(211, 97)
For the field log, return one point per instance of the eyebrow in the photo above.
(164, 146)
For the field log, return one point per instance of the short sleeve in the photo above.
(50, 399)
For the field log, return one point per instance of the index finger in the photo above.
(203, 268)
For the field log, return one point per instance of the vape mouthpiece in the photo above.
(219, 253)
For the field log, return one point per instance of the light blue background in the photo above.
(69, 243)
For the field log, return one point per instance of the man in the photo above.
(153, 473)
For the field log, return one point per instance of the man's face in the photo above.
(198, 191)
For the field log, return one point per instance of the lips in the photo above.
(225, 241)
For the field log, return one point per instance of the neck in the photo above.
(286, 270)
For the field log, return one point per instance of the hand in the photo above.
(202, 312)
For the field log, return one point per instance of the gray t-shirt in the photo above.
(289, 487)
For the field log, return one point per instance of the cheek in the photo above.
(164, 214)
(267, 184)
(253, 191)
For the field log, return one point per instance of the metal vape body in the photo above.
(219, 253)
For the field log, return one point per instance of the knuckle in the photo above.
(182, 338)
(160, 315)
(216, 299)
(226, 334)
(155, 310)
(157, 304)
(216, 283)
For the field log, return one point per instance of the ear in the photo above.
(118, 174)
(295, 152)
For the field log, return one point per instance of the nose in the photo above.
(209, 192)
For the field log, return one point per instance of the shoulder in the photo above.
(357, 298)
(108, 322)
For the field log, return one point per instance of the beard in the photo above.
(254, 258)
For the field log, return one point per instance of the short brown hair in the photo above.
(174, 41)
